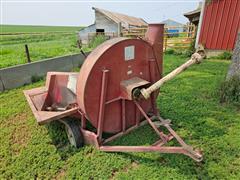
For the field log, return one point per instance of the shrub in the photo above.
(169, 51)
(36, 78)
(230, 90)
(227, 55)
(178, 52)
(97, 40)
(181, 52)
(192, 49)
(187, 53)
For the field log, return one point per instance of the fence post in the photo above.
(194, 31)
(165, 43)
(27, 53)
(79, 44)
(188, 29)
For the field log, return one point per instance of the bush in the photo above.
(36, 78)
(192, 49)
(230, 90)
(187, 53)
(227, 55)
(169, 51)
(182, 53)
(97, 40)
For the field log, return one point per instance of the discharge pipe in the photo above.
(154, 36)
(196, 58)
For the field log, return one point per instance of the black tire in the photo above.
(74, 134)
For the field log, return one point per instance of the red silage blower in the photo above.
(115, 91)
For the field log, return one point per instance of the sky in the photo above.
(80, 13)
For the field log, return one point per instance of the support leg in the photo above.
(184, 149)
(102, 104)
(83, 121)
(161, 134)
(152, 70)
(180, 140)
(123, 115)
(137, 116)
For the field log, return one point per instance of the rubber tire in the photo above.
(74, 134)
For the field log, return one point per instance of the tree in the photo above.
(230, 88)
(235, 66)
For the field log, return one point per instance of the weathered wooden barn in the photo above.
(218, 25)
(110, 24)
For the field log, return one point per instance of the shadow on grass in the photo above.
(57, 133)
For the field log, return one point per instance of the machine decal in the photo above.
(72, 82)
(129, 53)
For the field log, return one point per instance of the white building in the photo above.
(110, 24)
(173, 25)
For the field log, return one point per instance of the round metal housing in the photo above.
(122, 59)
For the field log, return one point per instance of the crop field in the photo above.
(191, 101)
(31, 29)
(43, 42)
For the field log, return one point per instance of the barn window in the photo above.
(100, 31)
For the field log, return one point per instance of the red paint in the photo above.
(110, 56)
(212, 23)
(217, 24)
(104, 85)
(220, 25)
(107, 75)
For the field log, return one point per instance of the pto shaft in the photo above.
(195, 59)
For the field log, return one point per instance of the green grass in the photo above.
(29, 28)
(230, 90)
(41, 46)
(99, 39)
(29, 151)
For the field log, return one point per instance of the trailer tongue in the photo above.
(116, 92)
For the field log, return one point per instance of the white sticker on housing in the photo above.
(129, 72)
(129, 53)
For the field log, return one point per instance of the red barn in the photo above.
(219, 24)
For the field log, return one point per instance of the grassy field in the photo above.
(41, 29)
(29, 151)
(46, 44)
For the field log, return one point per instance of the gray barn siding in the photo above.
(102, 22)
(83, 34)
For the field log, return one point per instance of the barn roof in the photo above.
(193, 16)
(171, 22)
(192, 13)
(124, 19)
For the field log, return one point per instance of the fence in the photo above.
(134, 32)
(173, 38)
(108, 35)
(19, 75)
